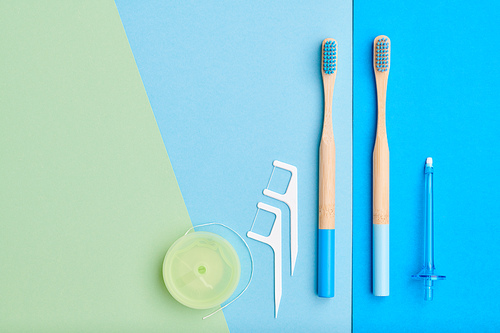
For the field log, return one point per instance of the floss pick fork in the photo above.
(274, 241)
(381, 66)
(290, 197)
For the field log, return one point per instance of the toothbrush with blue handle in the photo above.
(326, 216)
(381, 66)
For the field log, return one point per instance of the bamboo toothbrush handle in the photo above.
(327, 164)
(327, 183)
(381, 160)
(381, 181)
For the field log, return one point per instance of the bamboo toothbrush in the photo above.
(381, 66)
(326, 234)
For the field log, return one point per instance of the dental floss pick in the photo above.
(290, 198)
(274, 241)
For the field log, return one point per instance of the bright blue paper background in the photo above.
(442, 101)
(234, 86)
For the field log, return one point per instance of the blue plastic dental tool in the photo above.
(427, 273)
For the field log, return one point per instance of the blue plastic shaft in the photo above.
(429, 230)
(380, 259)
(429, 219)
(326, 262)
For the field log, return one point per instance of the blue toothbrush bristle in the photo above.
(330, 57)
(382, 55)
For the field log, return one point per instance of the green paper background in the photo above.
(89, 202)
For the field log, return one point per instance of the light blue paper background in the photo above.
(234, 86)
(442, 101)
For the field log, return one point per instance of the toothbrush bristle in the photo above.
(382, 54)
(330, 56)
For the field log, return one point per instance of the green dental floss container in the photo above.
(201, 270)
